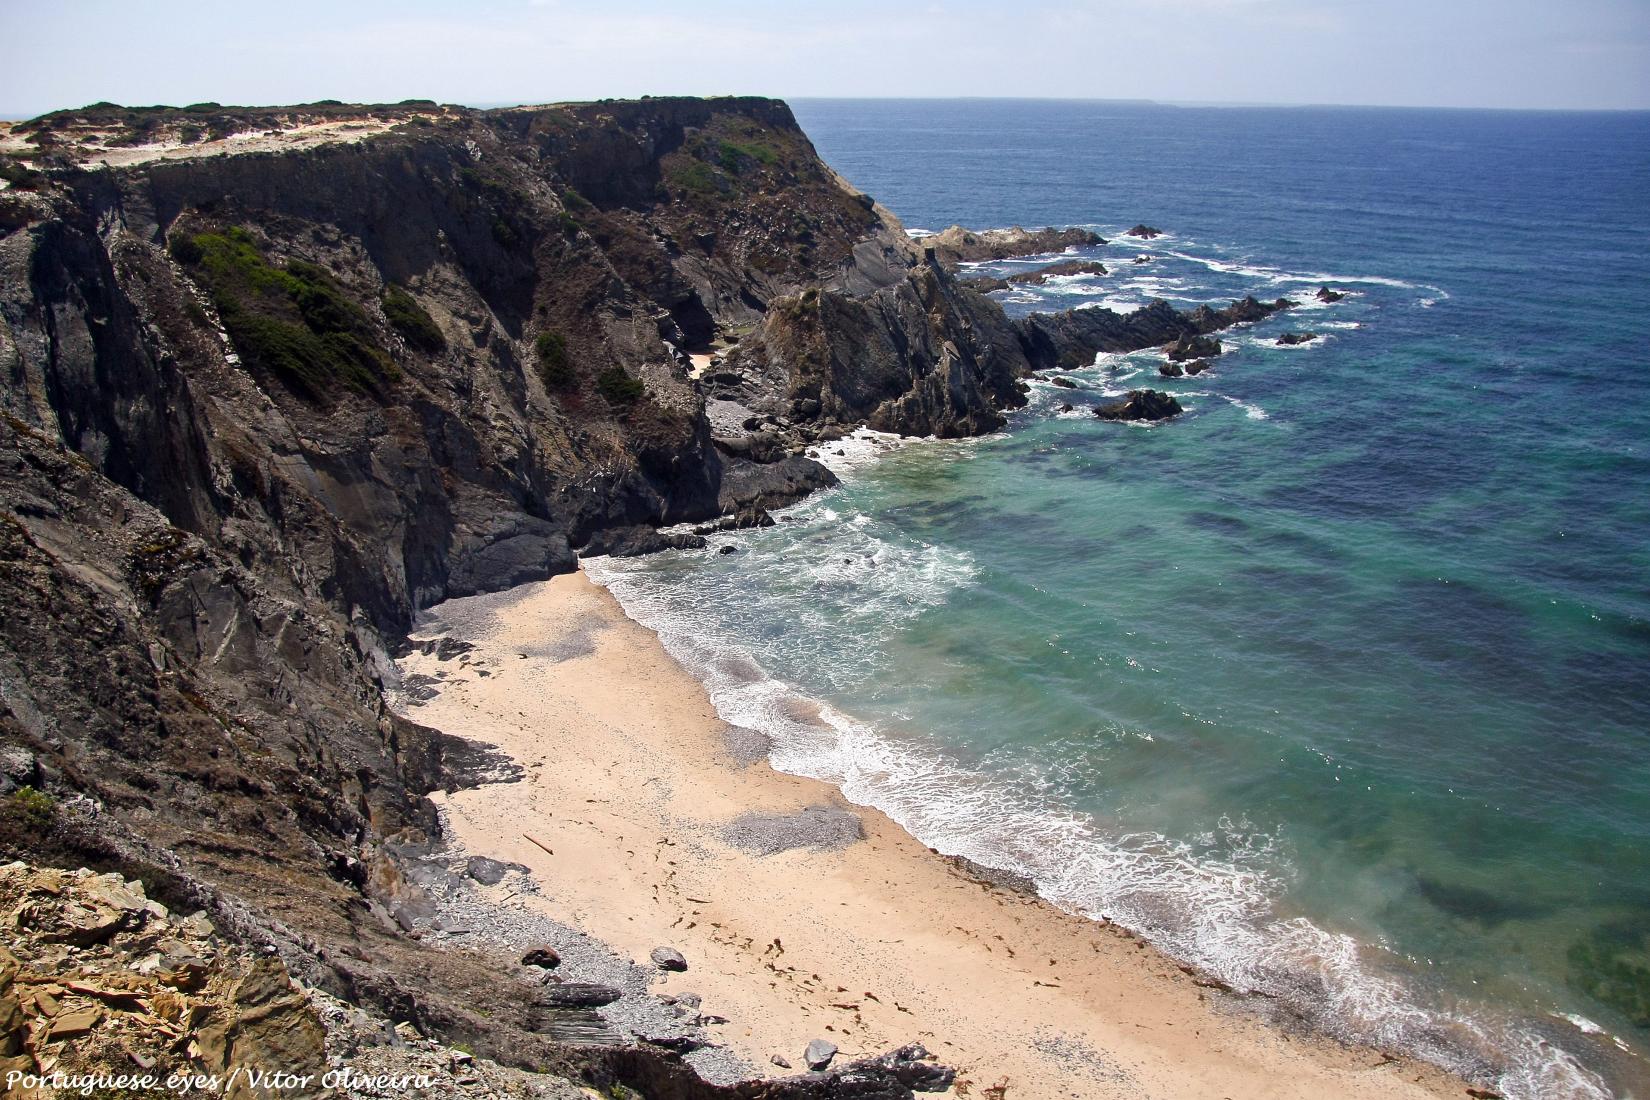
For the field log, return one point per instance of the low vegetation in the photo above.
(555, 368)
(292, 322)
(618, 388)
(411, 320)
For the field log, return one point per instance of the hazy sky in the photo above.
(1491, 53)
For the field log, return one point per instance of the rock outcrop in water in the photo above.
(958, 245)
(1140, 405)
(258, 409)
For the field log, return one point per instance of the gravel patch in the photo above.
(823, 828)
(464, 916)
(747, 746)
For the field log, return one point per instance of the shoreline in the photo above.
(801, 915)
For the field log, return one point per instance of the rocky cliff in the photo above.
(273, 380)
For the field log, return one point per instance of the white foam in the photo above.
(1253, 412)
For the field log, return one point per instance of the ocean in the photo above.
(1337, 685)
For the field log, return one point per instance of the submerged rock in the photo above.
(1324, 294)
(1290, 339)
(1145, 232)
(1140, 405)
(1063, 383)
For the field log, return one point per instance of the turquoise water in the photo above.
(1338, 685)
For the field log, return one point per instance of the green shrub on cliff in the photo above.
(554, 366)
(30, 809)
(292, 322)
(411, 320)
(618, 388)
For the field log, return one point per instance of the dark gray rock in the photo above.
(576, 995)
(1144, 232)
(633, 542)
(1171, 370)
(1140, 405)
(1193, 347)
(1063, 383)
(490, 872)
(1290, 339)
(748, 485)
(743, 520)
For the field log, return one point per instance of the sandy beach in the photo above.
(647, 821)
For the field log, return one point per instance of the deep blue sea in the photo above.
(1337, 685)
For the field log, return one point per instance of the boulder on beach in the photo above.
(668, 958)
(1145, 232)
(819, 1054)
(545, 958)
(1140, 405)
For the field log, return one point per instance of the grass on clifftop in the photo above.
(292, 322)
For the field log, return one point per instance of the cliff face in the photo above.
(559, 257)
(259, 408)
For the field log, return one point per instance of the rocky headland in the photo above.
(275, 380)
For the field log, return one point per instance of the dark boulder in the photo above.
(1145, 232)
(575, 995)
(1324, 294)
(1171, 370)
(742, 520)
(1143, 258)
(489, 872)
(545, 958)
(1290, 339)
(1140, 405)
(771, 485)
(1063, 383)
(668, 958)
(1193, 347)
(1197, 367)
(633, 542)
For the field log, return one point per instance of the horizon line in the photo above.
(485, 105)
